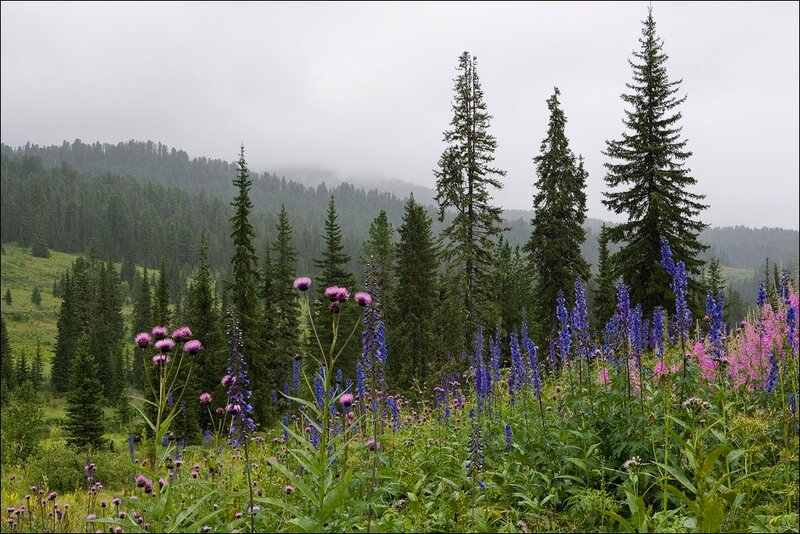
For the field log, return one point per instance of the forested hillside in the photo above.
(90, 185)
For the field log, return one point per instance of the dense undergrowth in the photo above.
(699, 434)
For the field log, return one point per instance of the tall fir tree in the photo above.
(649, 158)
(6, 362)
(411, 340)
(605, 293)
(9, 300)
(160, 313)
(554, 247)
(73, 319)
(333, 272)
(513, 286)
(106, 329)
(84, 426)
(203, 317)
(379, 251)
(282, 309)
(22, 373)
(713, 278)
(142, 322)
(243, 289)
(464, 178)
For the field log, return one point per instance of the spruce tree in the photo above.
(160, 313)
(73, 319)
(379, 251)
(605, 294)
(6, 362)
(554, 248)
(649, 181)
(334, 273)
(142, 322)
(9, 300)
(464, 178)
(106, 329)
(243, 289)
(37, 368)
(282, 308)
(411, 341)
(513, 286)
(84, 426)
(36, 296)
(714, 280)
(22, 372)
(203, 317)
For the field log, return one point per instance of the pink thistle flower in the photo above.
(346, 400)
(160, 359)
(302, 283)
(143, 339)
(159, 332)
(363, 299)
(332, 293)
(163, 345)
(288, 490)
(373, 445)
(192, 347)
(91, 517)
(205, 398)
(182, 334)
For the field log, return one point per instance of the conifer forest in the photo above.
(191, 345)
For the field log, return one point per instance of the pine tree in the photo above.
(22, 372)
(282, 310)
(84, 426)
(379, 251)
(411, 342)
(37, 368)
(463, 182)
(142, 322)
(6, 362)
(73, 319)
(203, 316)
(36, 296)
(243, 289)
(106, 330)
(605, 295)
(650, 158)
(39, 247)
(333, 273)
(713, 279)
(513, 286)
(8, 299)
(160, 313)
(554, 248)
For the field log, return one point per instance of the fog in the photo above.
(362, 89)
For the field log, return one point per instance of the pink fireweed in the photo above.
(708, 367)
(602, 376)
(662, 372)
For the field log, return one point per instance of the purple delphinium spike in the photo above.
(564, 335)
(509, 438)
(553, 361)
(580, 320)
(761, 299)
(772, 373)
(714, 309)
(239, 392)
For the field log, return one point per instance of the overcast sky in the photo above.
(366, 88)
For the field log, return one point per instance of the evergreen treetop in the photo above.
(649, 180)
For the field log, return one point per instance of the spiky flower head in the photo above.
(159, 332)
(363, 299)
(164, 345)
(143, 339)
(302, 283)
(193, 347)
(183, 333)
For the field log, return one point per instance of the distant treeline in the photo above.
(74, 192)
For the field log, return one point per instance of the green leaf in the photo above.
(679, 476)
